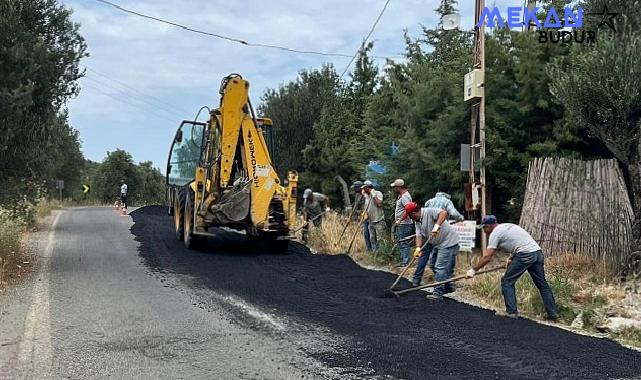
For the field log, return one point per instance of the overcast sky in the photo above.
(144, 77)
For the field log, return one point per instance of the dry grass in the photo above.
(330, 239)
(12, 230)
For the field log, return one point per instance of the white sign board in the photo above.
(467, 233)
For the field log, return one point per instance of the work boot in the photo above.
(434, 297)
(507, 315)
(551, 318)
(416, 283)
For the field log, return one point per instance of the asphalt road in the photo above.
(119, 297)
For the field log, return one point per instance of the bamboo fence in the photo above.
(582, 207)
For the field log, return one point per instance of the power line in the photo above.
(366, 38)
(160, 101)
(140, 99)
(128, 103)
(233, 39)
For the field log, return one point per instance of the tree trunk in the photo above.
(345, 189)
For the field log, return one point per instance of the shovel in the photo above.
(391, 288)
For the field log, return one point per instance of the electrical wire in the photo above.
(129, 96)
(158, 100)
(233, 39)
(85, 85)
(369, 34)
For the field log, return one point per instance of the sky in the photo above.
(143, 77)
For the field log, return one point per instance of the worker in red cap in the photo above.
(431, 223)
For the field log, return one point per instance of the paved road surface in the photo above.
(119, 297)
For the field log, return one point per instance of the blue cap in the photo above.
(487, 220)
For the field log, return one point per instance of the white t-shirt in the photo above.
(374, 212)
(512, 239)
(123, 189)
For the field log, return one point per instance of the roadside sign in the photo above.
(85, 189)
(60, 184)
(467, 234)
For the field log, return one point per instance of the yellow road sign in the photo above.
(85, 188)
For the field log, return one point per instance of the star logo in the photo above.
(607, 18)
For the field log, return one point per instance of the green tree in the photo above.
(295, 107)
(608, 102)
(39, 67)
(151, 185)
(118, 166)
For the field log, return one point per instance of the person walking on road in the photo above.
(375, 215)
(123, 194)
(357, 213)
(440, 201)
(431, 223)
(402, 225)
(526, 255)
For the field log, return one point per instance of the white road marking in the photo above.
(254, 312)
(35, 349)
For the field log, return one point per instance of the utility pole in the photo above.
(475, 92)
(530, 27)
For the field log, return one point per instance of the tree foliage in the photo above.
(39, 68)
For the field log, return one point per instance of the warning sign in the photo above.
(467, 233)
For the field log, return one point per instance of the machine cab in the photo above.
(266, 126)
(185, 153)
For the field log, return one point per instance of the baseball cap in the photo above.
(397, 183)
(487, 221)
(357, 184)
(307, 193)
(368, 184)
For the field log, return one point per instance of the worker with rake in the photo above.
(431, 223)
(526, 255)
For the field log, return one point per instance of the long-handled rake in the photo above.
(397, 293)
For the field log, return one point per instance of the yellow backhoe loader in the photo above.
(220, 174)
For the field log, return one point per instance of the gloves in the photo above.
(417, 252)
(435, 230)
(326, 209)
(470, 273)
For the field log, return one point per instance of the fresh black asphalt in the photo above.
(411, 338)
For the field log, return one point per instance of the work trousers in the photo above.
(377, 233)
(533, 263)
(403, 231)
(366, 235)
(444, 267)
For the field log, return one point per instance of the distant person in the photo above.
(123, 194)
(357, 212)
(525, 254)
(314, 205)
(404, 226)
(442, 200)
(375, 215)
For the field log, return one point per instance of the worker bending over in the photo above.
(525, 255)
(431, 223)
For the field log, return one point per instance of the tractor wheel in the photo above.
(179, 211)
(191, 241)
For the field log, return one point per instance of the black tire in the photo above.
(179, 212)
(191, 241)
